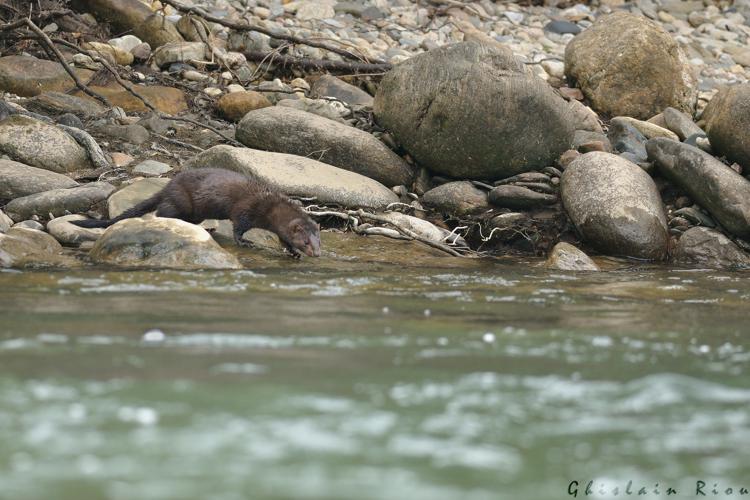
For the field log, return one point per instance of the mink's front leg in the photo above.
(241, 225)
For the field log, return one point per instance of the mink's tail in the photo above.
(141, 208)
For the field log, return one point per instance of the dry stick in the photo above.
(135, 94)
(249, 27)
(305, 63)
(51, 46)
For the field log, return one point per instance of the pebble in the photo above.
(151, 168)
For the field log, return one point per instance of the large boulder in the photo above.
(59, 202)
(299, 176)
(28, 76)
(161, 243)
(708, 247)
(39, 144)
(18, 180)
(630, 66)
(288, 130)
(470, 111)
(615, 206)
(21, 247)
(727, 120)
(713, 185)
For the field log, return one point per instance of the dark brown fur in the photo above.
(215, 193)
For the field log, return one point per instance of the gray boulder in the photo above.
(298, 176)
(133, 194)
(59, 202)
(17, 180)
(39, 144)
(727, 120)
(288, 130)
(708, 247)
(615, 206)
(630, 66)
(456, 198)
(160, 243)
(566, 257)
(470, 111)
(713, 185)
(69, 234)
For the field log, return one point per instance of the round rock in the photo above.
(567, 257)
(708, 247)
(628, 65)
(456, 198)
(470, 111)
(615, 206)
(235, 105)
(161, 243)
(727, 119)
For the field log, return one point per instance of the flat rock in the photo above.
(330, 86)
(727, 120)
(30, 224)
(59, 202)
(111, 53)
(57, 103)
(133, 194)
(322, 107)
(133, 133)
(179, 52)
(509, 196)
(166, 99)
(39, 144)
(566, 257)
(713, 185)
(456, 198)
(21, 247)
(615, 206)
(151, 168)
(298, 176)
(160, 243)
(235, 105)
(470, 111)
(287, 130)
(708, 247)
(627, 65)
(28, 76)
(71, 235)
(18, 180)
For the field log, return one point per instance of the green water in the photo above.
(496, 381)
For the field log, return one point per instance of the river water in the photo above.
(499, 380)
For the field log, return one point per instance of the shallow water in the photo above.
(497, 381)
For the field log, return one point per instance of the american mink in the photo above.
(216, 193)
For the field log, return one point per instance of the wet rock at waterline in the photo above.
(628, 65)
(727, 119)
(18, 180)
(287, 130)
(469, 111)
(21, 247)
(133, 194)
(59, 202)
(456, 198)
(708, 247)
(615, 206)
(69, 234)
(298, 176)
(160, 243)
(567, 257)
(41, 145)
(713, 185)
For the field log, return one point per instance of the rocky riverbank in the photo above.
(473, 130)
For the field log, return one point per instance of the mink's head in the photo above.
(304, 236)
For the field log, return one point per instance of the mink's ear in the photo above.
(296, 226)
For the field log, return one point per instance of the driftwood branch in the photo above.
(273, 34)
(317, 64)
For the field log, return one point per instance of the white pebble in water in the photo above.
(154, 335)
(704, 349)
(386, 310)
(427, 313)
(488, 337)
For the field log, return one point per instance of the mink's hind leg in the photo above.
(240, 226)
(167, 209)
(176, 204)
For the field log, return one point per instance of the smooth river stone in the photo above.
(615, 206)
(713, 185)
